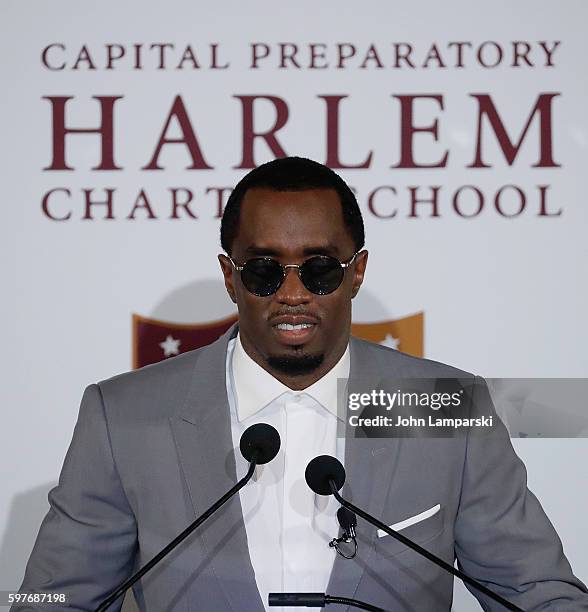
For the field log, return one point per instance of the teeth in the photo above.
(289, 327)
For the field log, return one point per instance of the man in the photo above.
(154, 448)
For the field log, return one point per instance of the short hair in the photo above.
(292, 174)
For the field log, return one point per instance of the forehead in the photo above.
(292, 222)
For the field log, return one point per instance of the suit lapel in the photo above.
(202, 434)
(369, 466)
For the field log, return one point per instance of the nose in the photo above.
(292, 291)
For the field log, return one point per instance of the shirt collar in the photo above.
(254, 388)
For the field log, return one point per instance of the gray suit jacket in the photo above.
(152, 449)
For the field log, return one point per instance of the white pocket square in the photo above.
(417, 518)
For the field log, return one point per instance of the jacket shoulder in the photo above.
(155, 390)
(172, 366)
(391, 359)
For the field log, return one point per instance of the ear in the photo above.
(359, 271)
(227, 270)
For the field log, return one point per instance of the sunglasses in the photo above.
(320, 274)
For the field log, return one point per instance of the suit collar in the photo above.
(207, 392)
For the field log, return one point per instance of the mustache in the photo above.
(300, 311)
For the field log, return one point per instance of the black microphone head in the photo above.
(346, 518)
(260, 441)
(321, 470)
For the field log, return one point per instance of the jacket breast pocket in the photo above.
(422, 528)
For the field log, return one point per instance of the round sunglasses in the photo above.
(320, 274)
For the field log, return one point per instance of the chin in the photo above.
(296, 362)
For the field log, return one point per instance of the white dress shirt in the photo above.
(288, 526)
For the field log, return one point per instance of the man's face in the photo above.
(290, 227)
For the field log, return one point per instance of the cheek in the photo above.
(252, 309)
(337, 312)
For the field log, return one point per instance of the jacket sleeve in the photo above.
(502, 536)
(87, 541)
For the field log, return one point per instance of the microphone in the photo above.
(325, 475)
(259, 444)
(348, 523)
(323, 470)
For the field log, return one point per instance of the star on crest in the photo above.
(391, 342)
(170, 346)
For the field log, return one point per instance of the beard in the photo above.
(295, 365)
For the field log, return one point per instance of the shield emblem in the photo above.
(155, 340)
(405, 334)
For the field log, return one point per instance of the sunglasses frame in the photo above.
(343, 264)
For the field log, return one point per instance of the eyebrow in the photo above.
(324, 249)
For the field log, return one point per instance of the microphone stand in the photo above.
(120, 590)
(446, 566)
(317, 600)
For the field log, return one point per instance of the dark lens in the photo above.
(262, 276)
(321, 274)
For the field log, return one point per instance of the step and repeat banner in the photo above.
(461, 127)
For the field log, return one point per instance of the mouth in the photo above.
(294, 330)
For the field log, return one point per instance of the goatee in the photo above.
(295, 365)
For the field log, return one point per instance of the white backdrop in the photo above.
(503, 294)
